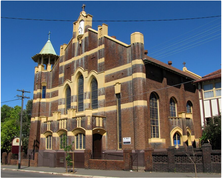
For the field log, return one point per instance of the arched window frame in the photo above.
(173, 107)
(189, 107)
(67, 98)
(49, 142)
(80, 93)
(94, 93)
(154, 115)
(63, 140)
(177, 140)
(80, 141)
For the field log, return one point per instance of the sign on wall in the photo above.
(126, 140)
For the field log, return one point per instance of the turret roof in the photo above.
(48, 48)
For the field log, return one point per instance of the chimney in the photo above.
(170, 63)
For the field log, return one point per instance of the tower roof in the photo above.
(48, 48)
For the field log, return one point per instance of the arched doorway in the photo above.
(97, 146)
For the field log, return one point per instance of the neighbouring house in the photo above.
(210, 96)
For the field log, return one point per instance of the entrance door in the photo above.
(97, 146)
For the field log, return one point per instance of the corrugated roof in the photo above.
(169, 67)
(48, 49)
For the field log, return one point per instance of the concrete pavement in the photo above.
(91, 173)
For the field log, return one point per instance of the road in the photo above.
(8, 173)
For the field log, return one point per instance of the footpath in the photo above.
(92, 173)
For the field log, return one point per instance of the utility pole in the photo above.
(23, 91)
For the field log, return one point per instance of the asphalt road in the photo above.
(8, 173)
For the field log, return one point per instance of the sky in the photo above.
(197, 42)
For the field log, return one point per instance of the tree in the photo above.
(9, 127)
(26, 120)
(5, 112)
(212, 133)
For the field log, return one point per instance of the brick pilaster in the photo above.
(148, 158)
(127, 158)
(206, 151)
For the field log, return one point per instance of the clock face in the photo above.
(80, 30)
(81, 27)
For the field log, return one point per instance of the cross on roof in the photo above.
(83, 7)
(49, 35)
(184, 63)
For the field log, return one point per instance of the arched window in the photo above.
(176, 139)
(94, 93)
(80, 93)
(49, 142)
(173, 111)
(189, 107)
(68, 98)
(154, 116)
(63, 140)
(80, 141)
(43, 91)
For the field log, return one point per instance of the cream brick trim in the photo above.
(137, 61)
(111, 38)
(101, 97)
(156, 140)
(127, 105)
(42, 136)
(54, 134)
(139, 75)
(37, 91)
(35, 119)
(92, 30)
(70, 133)
(82, 55)
(125, 79)
(117, 69)
(137, 37)
(122, 80)
(117, 41)
(88, 132)
(101, 60)
(140, 103)
(61, 75)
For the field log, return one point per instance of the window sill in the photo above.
(156, 140)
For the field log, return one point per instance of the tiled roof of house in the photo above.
(214, 75)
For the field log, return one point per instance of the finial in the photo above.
(49, 35)
(83, 7)
(184, 63)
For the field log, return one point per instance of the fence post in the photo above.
(87, 156)
(9, 158)
(127, 159)
(148, 156)
(4, 158)
(206, 152)
(171, 159)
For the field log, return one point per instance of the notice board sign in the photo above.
(15, 145)
(126, 140)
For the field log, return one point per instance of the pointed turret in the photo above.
(47, 56)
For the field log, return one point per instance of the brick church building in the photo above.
(107, 96)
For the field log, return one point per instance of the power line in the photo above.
(138, 20)
(9, 101)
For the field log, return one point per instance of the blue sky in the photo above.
(196, 42)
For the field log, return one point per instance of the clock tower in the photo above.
(82, 24)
